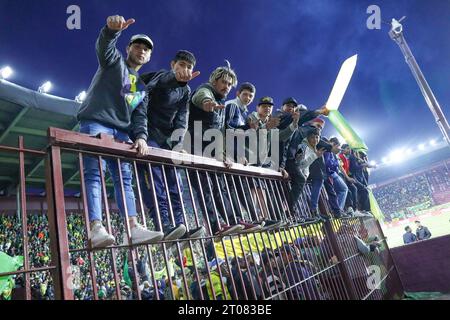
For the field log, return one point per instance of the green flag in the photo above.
(126, 274)
(8, 264)
(346, 131)
(374, 207)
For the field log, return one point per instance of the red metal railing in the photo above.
(294, 261)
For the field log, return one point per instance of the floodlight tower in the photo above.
(396, 34)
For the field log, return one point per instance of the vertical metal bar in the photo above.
(254, 237)
(57, 224)
(240, 239)
(206, 214)
(133, 251)
(23, 212)
(169, 201)
(108, 224)
(342, 267)
(87, 225)
(158, 219)
(194, 207)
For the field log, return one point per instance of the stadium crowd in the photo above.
(406, 197)
(267, 275)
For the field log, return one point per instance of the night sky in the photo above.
(285, 47)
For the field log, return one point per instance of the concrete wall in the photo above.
(424, 265)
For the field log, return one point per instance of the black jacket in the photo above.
(317, 169)
(167, 108)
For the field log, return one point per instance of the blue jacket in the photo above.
(331, 163)
(236, 115)
(409, 237)
(167, 108)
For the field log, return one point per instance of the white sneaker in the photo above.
(100, 238)
(359, 214)
(367, 214)
(350, 211)
(140, 234)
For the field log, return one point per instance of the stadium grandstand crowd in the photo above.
(418, 191)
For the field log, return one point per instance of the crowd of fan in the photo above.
(406, 197)
(270, 276)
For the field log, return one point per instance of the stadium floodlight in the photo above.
(432, 142)
(45, 87)
(396, 155)
(6, 72)
(81, 96)
(421, 146)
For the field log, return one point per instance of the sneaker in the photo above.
(358, 214)
(250, 227)
(175, 232)
(227, 230)
(194, 233)
(319, 215)
(367, 214)
(100, 238)
(139, 234)
(306, 220)
(349, 211)
(271, 224)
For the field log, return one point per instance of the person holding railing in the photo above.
(116, 90)
(154, 125)
(206, 108)
(298, 157)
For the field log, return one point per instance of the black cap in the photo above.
(290, 100)
(265, 100)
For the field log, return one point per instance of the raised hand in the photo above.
(273, 122)
(210, 106)
(186, 75)
(323, 110)
(118, 23)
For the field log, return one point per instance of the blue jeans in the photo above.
(92, 174)
(341, 189)
(160, 191)
(316, 186)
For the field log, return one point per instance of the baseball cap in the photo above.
(265, 100)
(143, 38)
(290, 100)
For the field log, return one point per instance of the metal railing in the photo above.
(314, 261)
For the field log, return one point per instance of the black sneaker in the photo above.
(308, 220)
(175, 233)
(194, 233)
(319, 215)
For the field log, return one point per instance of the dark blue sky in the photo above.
(285, 47)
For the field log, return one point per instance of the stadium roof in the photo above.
(28, 113)
(401, 169)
